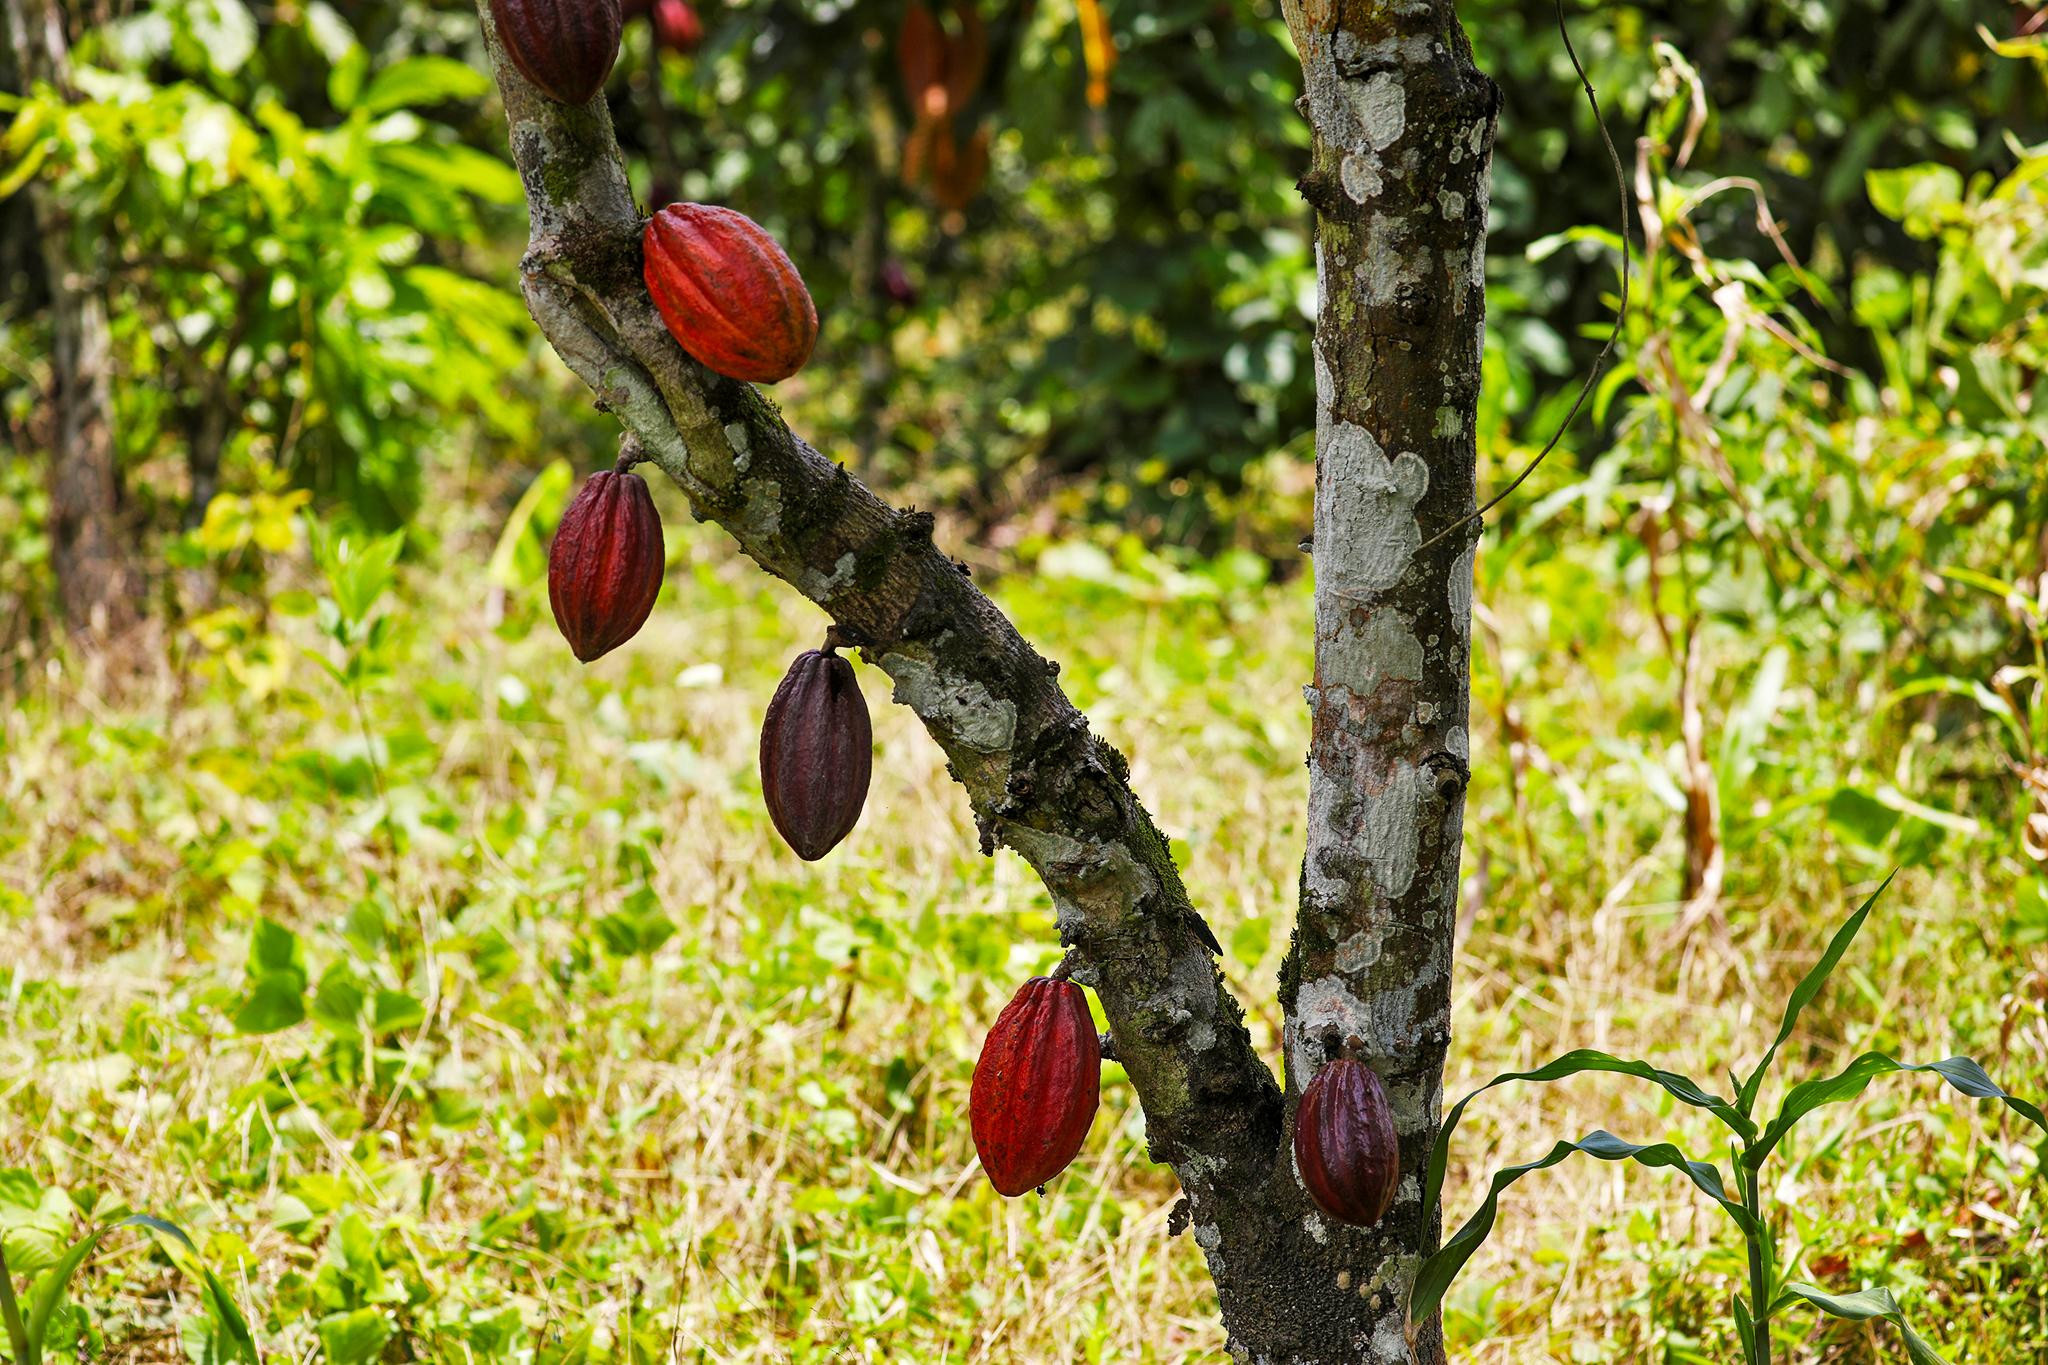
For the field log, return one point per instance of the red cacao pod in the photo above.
(566, 47)
(728, 293)
(676, 25)
(1344, 1144)
(1035, 1086)
(605, 565)
(816, 753)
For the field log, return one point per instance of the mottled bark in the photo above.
(1403, 132)
(1395, 101)
(97, 586)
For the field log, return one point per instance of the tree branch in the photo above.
(1039, 781)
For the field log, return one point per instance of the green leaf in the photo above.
(1434, 1277)
(1920, 198)
(396, 1011)
(1803, 994)
(1960, 1072)
(221, 1305)
(276, 1000)
(345, 80)
(1862, 1306)
(521, 554)
(422, 80)
(50, 1289)
(1571, 1064)
(354, 1338)
(273, 948)
(358, 572)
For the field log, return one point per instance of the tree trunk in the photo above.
(1404, 127)
(96, 581)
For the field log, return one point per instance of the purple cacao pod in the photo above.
(566, 47)
(1344, 1144)
(816, 753)
(1035, 1086)
(605, 565)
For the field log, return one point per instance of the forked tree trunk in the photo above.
(1403, 133)
(97, 587)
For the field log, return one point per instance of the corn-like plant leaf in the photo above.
(1862, 1306)
(50, 1292)
(241, 1342)
(1683, 1088)
(1803, 994)
(1744, 1328)
(1434, 1277)
(1960, 1072)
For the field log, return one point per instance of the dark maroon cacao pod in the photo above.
(566, 47)
(816, 753)
(1344, 1144)
(605, 565)
(728, 292)
(1036, 1086)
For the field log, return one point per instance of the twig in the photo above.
(1620, 313)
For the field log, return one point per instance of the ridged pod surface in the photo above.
(1035, 1086)
(728, 292)
(605, 565)
(1344, 1144)
(816, 753)
(566, 47)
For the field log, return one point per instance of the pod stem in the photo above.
(843, 637)
(1065, 970)
(631, 452)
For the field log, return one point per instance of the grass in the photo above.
(593, 1067)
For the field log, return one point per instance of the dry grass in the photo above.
(748, 1146)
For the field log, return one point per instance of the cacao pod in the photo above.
(605, 565)
(1344, 1144)
(566, 47)
(728, 292)
(816, 753)
(676, 25)
(1035, 1086)
(921, 57)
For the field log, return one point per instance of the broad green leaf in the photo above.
(1960, 1072)
(422, 80)
(1571, 1064)
(272, 948)
(1434, 1278)
(276, 1000)
(1919, 198)
(354, 1338)
(1809, 987)
(1862, 1306)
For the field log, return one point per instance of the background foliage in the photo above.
(458, 1000)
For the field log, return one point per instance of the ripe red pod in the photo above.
(605, 565)
(676, 25)
(1344, 1144)
(816, 753)
(728, 293)
(1035, 1086)
(566, 47)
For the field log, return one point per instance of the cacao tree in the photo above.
(1403, 126)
